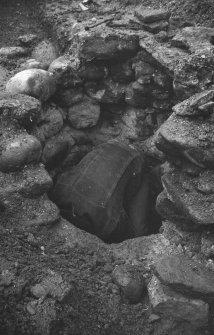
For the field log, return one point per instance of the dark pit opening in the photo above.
(124, 229)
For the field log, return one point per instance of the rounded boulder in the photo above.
(37, 83)
(19, 151)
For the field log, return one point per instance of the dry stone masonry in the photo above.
(126, 76)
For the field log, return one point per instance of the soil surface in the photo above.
(18, 18)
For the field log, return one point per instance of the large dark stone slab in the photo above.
(94, 190)
(109, 46)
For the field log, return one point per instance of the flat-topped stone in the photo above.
(162, 56)
(151, 15)
(185, 275)
(189, 138)
(155, 27)
(193, 197)
(191, 106)
(108, 46)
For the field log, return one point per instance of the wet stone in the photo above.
(185, 276)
